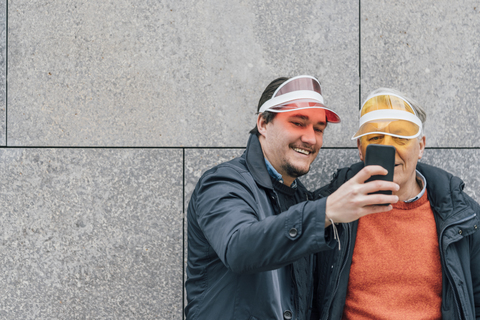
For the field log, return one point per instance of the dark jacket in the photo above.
(246, 258)
(457, 220)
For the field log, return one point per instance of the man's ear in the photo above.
(360, 153)
(261, 125)
(422, 147)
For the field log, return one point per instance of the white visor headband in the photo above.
(290, 98)
(389, 115)
(297, 93)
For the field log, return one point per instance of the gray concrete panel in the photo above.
(91, 234)
(456, 161)
(197, 161)
(326, 164)
(428, 50)
(165, 73)
(462, 163)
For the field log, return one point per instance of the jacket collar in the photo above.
(445, 192)
(256, 162)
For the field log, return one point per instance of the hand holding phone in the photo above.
(349, 202)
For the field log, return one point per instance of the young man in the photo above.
(422, 259)
(253, 227)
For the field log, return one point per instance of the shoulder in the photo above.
(445, 190)
(233, 170)
(226, 177)
(434, 173)
(439, 181)
(236, 165)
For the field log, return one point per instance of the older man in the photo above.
(422, 259)
(253, 227)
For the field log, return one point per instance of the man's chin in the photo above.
(296, 172)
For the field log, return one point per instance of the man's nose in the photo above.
(389, 141)
(309, 136)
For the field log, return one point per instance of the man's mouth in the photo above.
(302, 151)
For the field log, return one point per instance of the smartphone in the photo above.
(382, 155)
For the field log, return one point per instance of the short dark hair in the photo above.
(267, 95)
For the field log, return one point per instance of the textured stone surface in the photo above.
(326, 164)
(458, 162)
(429, 50)
(462, 163)
(97, 233)
(166, 73)
(3, 70)
(91, 234)
(197, 161)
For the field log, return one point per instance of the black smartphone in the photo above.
(382, 155)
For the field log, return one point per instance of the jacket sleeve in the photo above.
(227, 213)
(475, 269)
(476, 273)
(475, 258)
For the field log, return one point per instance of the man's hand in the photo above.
(352, 200)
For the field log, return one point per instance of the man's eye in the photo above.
(401, 141)
(298, 124)
(374, 139)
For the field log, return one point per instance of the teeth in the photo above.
(302, 151)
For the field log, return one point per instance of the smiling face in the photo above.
(291, 141)
(408, 152)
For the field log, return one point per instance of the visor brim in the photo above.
(331, 116)
(396, 128)
(299, 100)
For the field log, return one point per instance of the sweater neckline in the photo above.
(411, 205)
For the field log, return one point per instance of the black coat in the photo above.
(457, 221)
(248, 259)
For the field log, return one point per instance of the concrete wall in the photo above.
(111, 110)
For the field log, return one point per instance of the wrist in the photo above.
(330, 222)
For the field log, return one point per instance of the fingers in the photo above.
(378, 185)
(367, 172)
(355, 198)
(368, 200)
(372, 200)
(372, 209)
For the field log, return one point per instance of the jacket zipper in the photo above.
(449, 277)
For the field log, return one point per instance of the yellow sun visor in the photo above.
(388, 114)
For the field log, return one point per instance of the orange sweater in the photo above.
(396, 271)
